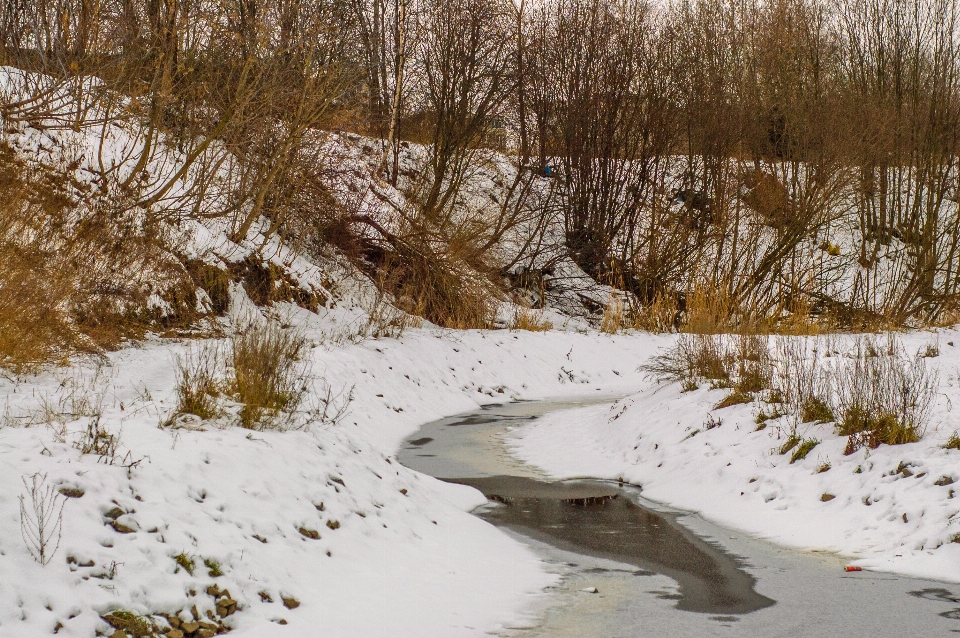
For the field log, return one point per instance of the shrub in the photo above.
(693, 356)
(753, 364)
(78, 268)
(883, 395)
(439, 286)
(268, 373)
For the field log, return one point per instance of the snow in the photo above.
(883, 518)
(399, 564)
(397, 553)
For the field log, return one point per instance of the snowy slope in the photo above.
(399, 564)
(888, 511)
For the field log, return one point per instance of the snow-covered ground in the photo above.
(398, 554)
(406, 558)
(894, 508)
(318, 530)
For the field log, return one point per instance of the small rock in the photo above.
(174, 621)
(121, 528)
(906, 472)
(332, 524)
(280, 621)
(194, 612)
(290, 603)
(310, 533)
(116, 512)
(265, 597)
(943, 481)
(119, 634)
(71, 492)
(174, 633)
(190, 627)
(404, 491)
(206, 633)
(827, 497)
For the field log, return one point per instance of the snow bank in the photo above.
(893, 508)
(397, 553)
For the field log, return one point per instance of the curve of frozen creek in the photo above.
(660, 571)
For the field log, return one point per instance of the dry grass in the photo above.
(802, 449)
(199, 381)
(614, 316)
(753, 369)
(77, 268)
(815, 410)
(711, 310)
(791, 442)
(877, 394)
(660, 315)
(440, 288)
(529, 319)
(384, 320)
(268, 372)
(734, 398)
(883, 395)
(953, 443)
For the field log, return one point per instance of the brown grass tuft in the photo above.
(614, 316)
(268, 372)
(528, 319)
(198, 381)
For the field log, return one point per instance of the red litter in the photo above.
(852, 568)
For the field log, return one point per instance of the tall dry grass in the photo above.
(78, 268)
(269, 373)
(875, 393)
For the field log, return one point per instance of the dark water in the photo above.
(588, 517)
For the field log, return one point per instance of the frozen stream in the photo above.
(659, 571)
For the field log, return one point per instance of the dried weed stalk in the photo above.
(41, 518)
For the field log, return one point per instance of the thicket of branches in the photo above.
(790, 155)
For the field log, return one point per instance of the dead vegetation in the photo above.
(530, 320)
(873, 391)
(199, 381)
(269, 373)
(78, 274)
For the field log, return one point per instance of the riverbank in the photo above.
(325, 518)
(894, 508)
